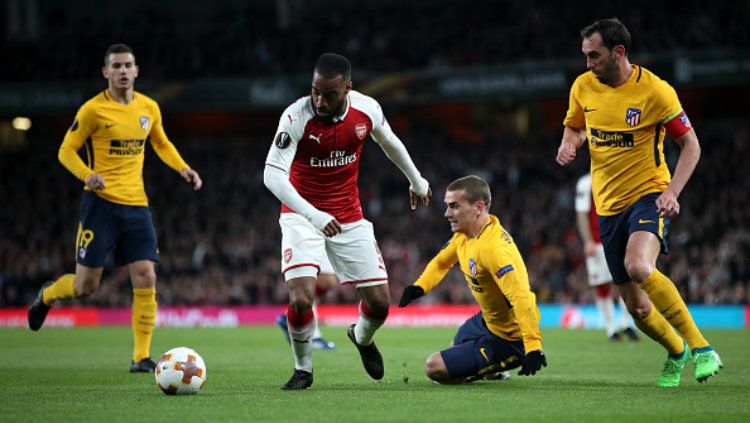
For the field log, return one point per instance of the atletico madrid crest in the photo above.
(361, 130)
(633, 116)
(144, 123)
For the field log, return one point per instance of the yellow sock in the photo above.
(62, 289)
(144, 315)
(657, 328)
(668, 301)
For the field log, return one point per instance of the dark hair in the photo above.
(117, 48)
(613, 33)
(331, 65)
(475, 189)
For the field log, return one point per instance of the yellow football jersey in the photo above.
(497, 277)
(625, 134)
(115, 136)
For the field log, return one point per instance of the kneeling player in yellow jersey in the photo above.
(114, 126)
(505, 333)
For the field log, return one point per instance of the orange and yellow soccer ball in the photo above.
(180, 371)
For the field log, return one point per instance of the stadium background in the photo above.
(471, 87)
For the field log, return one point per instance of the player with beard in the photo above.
(625, 112)
(312, 168)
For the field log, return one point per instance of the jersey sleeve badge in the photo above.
(282, 140)
(503, 270)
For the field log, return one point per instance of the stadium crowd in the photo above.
(221, 246)
(180, 40)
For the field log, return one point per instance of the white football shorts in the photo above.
(354, 254)
(596, 266)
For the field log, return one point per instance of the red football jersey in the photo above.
(322, 156)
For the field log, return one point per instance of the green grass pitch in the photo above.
(80, 375)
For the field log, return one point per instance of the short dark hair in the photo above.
(613, 33)
(331, 65)
(475, 189)
(117, 48)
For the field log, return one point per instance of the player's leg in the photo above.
(81, 284)
(649, 320)
(476, 353)
(640, 259)
(437, 371)
(355, 256)
(302, 247)
(625, 325)
(614, 234)
(603, 301)
(325, 282)
(143, 314)
(301, 320)
(373, 311)
(600, 281)
(95, 238)
(138, 249)
(301, 324)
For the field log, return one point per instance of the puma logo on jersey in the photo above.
(317, 139)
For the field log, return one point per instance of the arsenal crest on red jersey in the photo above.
(361, 130)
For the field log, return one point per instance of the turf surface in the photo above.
(80, 375)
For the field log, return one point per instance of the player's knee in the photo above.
(638, 269)
(145, 279)
(301, 303)
(435, 368)
(378, 309)
(639, 311)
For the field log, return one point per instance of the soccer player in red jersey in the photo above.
(312, 168)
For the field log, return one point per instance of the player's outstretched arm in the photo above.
(411, 293)
(572, 139)
(532, 363)
(192, 177)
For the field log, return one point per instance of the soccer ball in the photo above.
(180, 371)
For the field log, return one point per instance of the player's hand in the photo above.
(667, 204)
(566, 154)
(413, 196)
(332, 228)
(192, 177)
(532, 363)
(411, 293)
(95, 182)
